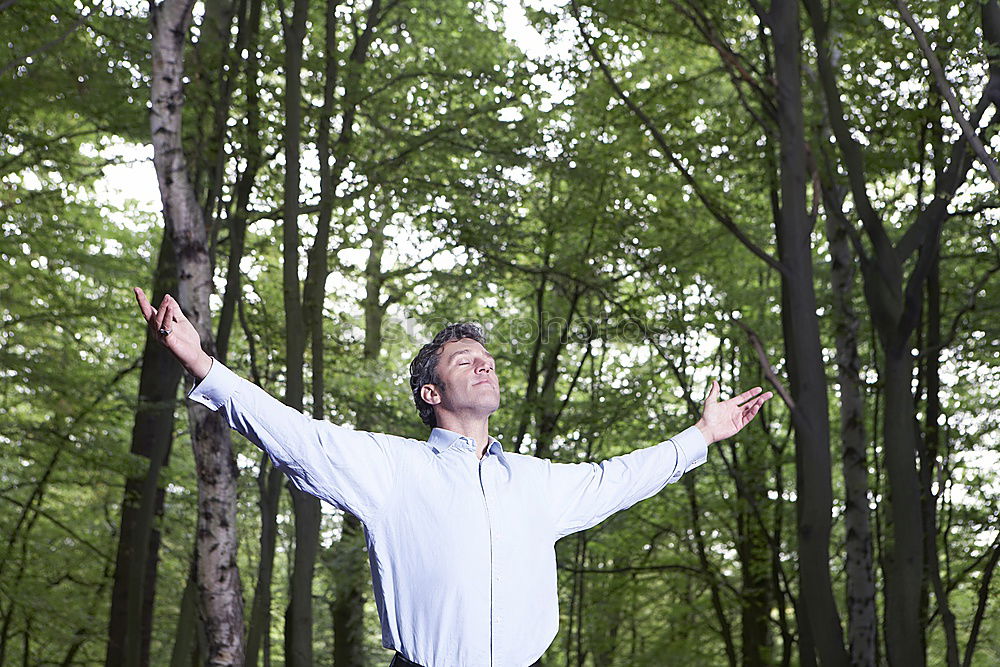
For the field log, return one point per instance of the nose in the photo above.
(483, 369)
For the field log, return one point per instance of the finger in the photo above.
(756, 405)
(163, 313)
(172, 316)
(147, 309)
(747, 402)
(176, 312)
(747, 395)
(168, 318)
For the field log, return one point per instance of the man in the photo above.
(460, 533)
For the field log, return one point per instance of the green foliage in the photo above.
(594, 257)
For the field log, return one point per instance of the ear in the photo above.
(430, 394)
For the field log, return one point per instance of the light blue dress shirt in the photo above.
(462, 549)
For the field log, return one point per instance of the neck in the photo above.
(476, 427)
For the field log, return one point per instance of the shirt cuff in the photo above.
(215, 388)
(692, 450)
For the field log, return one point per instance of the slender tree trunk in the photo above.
(187, 651)
(581, 597)
(778, 576)
(8, 616)
(350, 567)
(752, 541)
(820, 623)
(984, 596)
(860, 590)
(216, 51)
(299, 615)
(531, 384)
(574, 617)
(348, 562)
(216, 541)
(26, 645)
(269, 480)
(547, 404)
(245, 183)
(134, 586)
(269, 483)
(701, 550)
(929, 465)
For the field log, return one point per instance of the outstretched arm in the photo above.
(351, 469)
(171, 328)
(584, 494)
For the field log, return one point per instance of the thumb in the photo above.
(713, 393)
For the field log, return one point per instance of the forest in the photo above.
(633, 197)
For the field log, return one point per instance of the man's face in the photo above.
(468, 374)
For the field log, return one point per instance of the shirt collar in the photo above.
(442, 439)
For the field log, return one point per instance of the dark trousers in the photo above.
(400, 661)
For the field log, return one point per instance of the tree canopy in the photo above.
(632, 197)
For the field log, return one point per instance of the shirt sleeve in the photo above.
(350, 469)
(584, 494)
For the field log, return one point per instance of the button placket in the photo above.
(490, 470)
(488, 506)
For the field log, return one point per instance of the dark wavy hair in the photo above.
(423, 368)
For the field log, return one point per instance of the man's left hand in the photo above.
(724, 419)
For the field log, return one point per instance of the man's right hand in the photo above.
(173, 330)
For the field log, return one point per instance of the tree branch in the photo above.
(984, 591)
(669, 151)
(81, 19)
(853, 157)
(945, 89)
(766, 367)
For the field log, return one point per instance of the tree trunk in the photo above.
(214, 64)
(894, 300)
(752, 540)
(299, 615)
(188, 638)
(247, 178)
(216, 541)
(904, 559)
(350, 568)
(269, 483)
(929, 463)
(134, 586)
(819, 622)
(350, 579)
(701, 550)
(862, 623)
